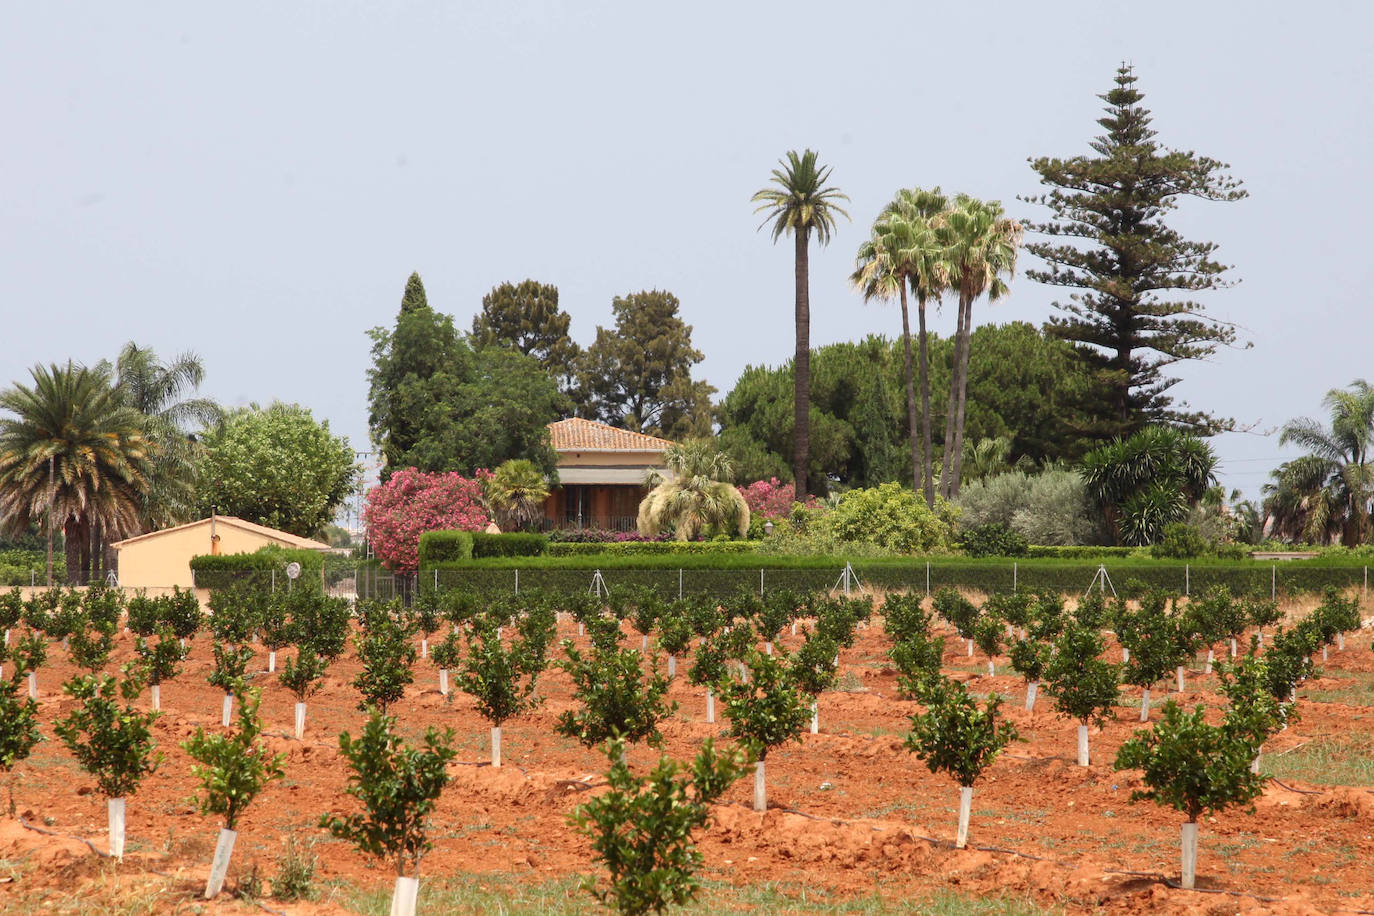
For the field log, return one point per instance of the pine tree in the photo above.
(526, 316)
(1132, 317)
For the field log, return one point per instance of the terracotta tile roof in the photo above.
(579, 435)
(284, 537)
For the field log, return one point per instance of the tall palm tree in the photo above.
(1344, 453)
(800, 203)
(903, 252)
(71, 428)
(699, 494)
(980, 243)
(159, 391)
(1299, 504)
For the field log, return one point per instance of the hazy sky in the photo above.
(255, 181)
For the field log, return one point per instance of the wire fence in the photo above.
(1278, 580)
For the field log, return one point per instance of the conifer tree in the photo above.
(526, 316)
(1131, 316)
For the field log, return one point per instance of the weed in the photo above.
(295, 878)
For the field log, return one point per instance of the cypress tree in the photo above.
(1107, 238)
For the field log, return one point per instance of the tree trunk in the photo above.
(926, 468)
(74, 533)
(916, 469)
(801, 422)
(965, 328)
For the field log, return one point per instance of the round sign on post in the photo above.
(293, 570)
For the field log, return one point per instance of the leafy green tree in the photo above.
(398, 786)
(956, 735)
(798, 203)
(387, 657)
(698, 496)
(980, 244)
(160, 391)
(1151, 634)
(160, 661)
(1107, 239)
(516, 491)
(302, 675)
(639, 374)
(1193, 767)
(1149, 480)
(903, 252)
(110, 739)
(764, 712)
(501, 677)
(18, 730)
(233, 768)
(1083, 686)
(73, 456)
(1340, 458)
(276, 466)
(526, 317)
(641, 828)
(621, 699)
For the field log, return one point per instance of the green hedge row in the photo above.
(649, 548)
(512, 544)
(445, 547)
(263, 568)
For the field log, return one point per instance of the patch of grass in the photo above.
(1342, 760)
(563, 897)
(1356, 689)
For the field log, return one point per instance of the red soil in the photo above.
(851, 811)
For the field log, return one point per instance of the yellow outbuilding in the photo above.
(162, 559)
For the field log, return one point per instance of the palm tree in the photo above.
(516, 492)
(1299, 505)
(158, 391)
(903, 252)
(697, 496)
(74, 454)
(980, 247)
(801, 203)
(1345, 461)
(1149, 480)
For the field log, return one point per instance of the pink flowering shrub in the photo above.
(413, 502)
(769, 498)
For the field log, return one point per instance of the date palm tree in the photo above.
(159, 391)
(72, 451)
(903, 252)
(1346, 465)
(981, 243)
(800, 202)
(696, 497)
(1299, 506)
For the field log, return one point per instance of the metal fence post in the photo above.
(760, 583)
(517, 581)
(927, 578)
(1187, 579)
(1013, 578)
(679, 584)
(1274, 583)
(1364, 589)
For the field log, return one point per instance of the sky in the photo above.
(253, 182)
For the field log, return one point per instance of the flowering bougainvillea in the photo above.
(769, 498)
(413, 502)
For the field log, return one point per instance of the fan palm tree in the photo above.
(903, 252)
(516, 492)
(74, 454)
(158, 391)
(1345, 461)
(697, 496)
(1298, 504)
(980, 244)
(800, 202)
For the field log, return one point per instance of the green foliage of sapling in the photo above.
(234, 767)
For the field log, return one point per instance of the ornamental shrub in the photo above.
(891, 516)
(1180, 541)
(994, 540)
(1050, 508)
(769, 498)
(412, 502)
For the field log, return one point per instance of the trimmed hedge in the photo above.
(512, 544)
(259, 569)
(649, 548)
(445, 547)
(1059, 552)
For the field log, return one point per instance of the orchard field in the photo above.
(855, 822)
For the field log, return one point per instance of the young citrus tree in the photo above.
(398, 786)
(386, 653)
(1150, 635)
(302, 675)
(18, 731)
(1083, 686)
(111, 740)
(766, 711)
(159, 661)
(958, 612)
(1193, 767)
(641, 828)
(446, 655)
(621, 698)
(814, 669)
(957, 736)
(232, 768)
(502, 676)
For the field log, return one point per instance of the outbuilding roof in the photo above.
(285, 537)
(580, 435)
